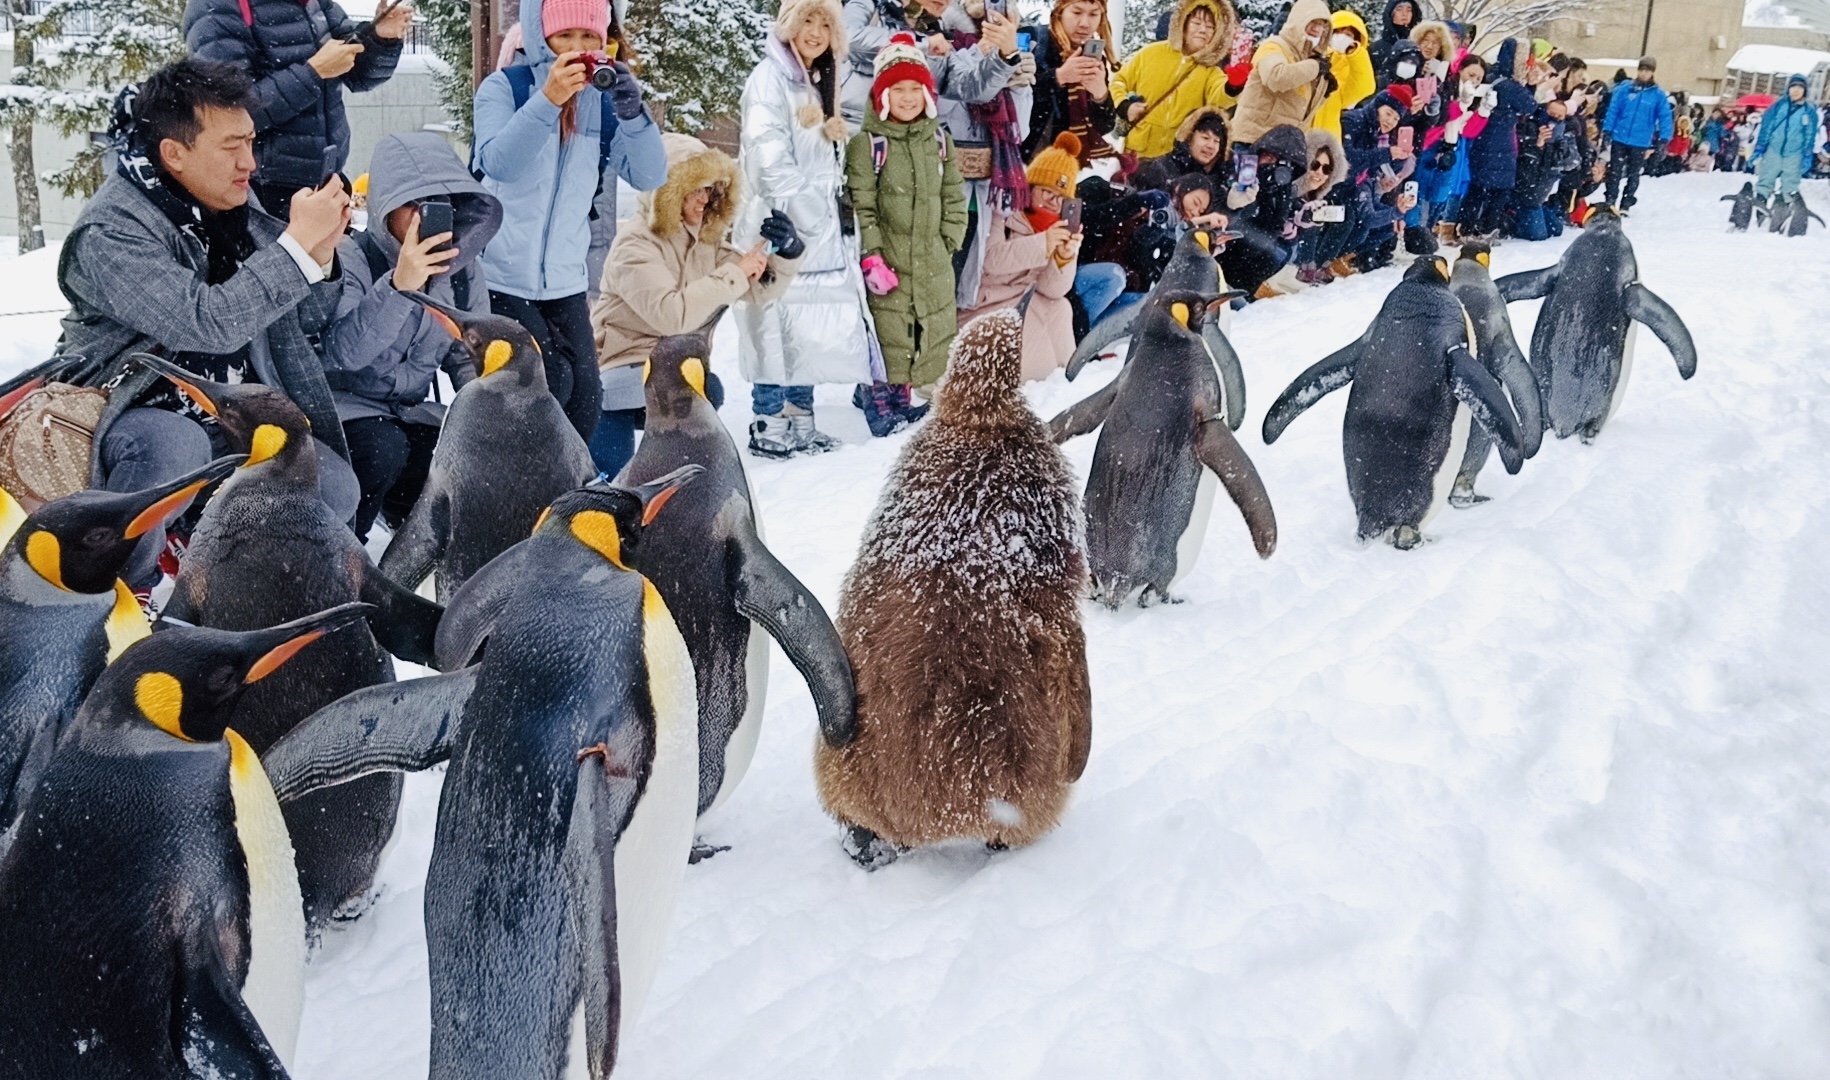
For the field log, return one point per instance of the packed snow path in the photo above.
(1543, 798)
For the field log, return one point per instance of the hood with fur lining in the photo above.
(1327, 140)
(692, 165)
(1226, 26)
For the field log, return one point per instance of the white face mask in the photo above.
(1340, 42)
(1406, 69)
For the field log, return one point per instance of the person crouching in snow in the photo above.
(1033, 249)
(911, 206)
(669, 272)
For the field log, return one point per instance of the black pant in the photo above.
(1625, 163)
(563, 329)
(391, 458)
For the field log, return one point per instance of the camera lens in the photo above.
(1281, 175)
(603, 76)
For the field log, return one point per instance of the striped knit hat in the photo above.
(900, 61)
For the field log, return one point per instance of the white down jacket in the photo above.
(819, 330)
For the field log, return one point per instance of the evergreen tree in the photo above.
(448, 22)
(696, 54)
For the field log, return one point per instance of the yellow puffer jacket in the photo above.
(1354, 71)
(1153, 71)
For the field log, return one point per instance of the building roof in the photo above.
(1777, 59)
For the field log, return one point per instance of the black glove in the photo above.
(1445, 158)
(1329, 83)
(778, 230)
(625, 93)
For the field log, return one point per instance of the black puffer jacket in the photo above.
(297, 115)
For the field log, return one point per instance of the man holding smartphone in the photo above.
(1073, 68)
(301, 56)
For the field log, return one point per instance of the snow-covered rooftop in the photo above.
(1777, 59)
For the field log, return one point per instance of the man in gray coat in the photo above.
(170, 257)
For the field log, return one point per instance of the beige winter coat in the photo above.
(1286, 85)
(1017, 257)
(663, 277)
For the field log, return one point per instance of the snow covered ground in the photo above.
(1543, 798)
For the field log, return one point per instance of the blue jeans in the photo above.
(1097, 285)
(767, 399)
(613, 443)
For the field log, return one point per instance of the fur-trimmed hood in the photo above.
(1327, 140)
(1226, 25)
(794, 13)
(1188, 126)
(1439, 28)
(692, 165)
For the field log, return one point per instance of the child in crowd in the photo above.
(911, 211)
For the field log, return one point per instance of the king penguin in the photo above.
(64, 613)
(150, 921)
(505, 452)
(1582, 346)
(568, 806)
(268, 549)
(727, 591)
(1416, 389)
(1162, 445)
(1495, 347)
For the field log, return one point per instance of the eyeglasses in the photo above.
(1322, 165)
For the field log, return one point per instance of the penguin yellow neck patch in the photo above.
(692, 369)
(160, 698)
(126, 621)
(598, 531)
(1483, 258)
(1204, 240)
(647, 371)
(45, 555)
(497, 356)
(1180, 311)
(266, 444)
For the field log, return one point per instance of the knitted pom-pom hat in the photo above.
(1056, 167)
(900, 61)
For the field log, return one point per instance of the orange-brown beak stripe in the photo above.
(154, 516)
(446, 321)
(278, 656)
(655, 504)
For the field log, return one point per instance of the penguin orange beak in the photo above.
(170, 498)
(440, 314)
(289, 638)
(182, 379)
(656, 493)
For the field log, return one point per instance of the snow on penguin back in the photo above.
(984, 369)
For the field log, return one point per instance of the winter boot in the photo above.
(806, 438)
(1445, 234)
(878, 404)
(1419, 241)
(770, 438)
(1741, 214)
(1342, 267)
(903, 398)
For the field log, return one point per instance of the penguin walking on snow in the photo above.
(723, 586)
(150, 922)
(1417, 387)
(266, 550)
(64, 613)
(1162, 446)
(962, 620)
(1582, 346)
(568, 807)
(504, 453)
(1495, 347)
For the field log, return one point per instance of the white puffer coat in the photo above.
(819, 330)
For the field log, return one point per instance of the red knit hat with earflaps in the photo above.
(900, 61)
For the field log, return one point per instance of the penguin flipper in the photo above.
(1529, 285)
(404, 622)
(1521, 382)
(1219, 451)
(1475, 387)
(419, 546)
(1323, 377)
(1232, 374)
(394, 727)
(471, 614)
(1644, 305)
(217, 1034)
(1077, 420)
(1115, 324)
(600, 810)
(773, 598)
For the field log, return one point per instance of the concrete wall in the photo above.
(407, 102)
(1692, 39)
(1792, 37)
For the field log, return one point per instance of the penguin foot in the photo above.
(1463, 497)
(1406, 537)
(868, 850)
(995, 846)
(1588, 432)
(702, 851)
(1152, 596)
(612, 767)
(356, 907)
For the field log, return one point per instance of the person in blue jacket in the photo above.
(1639, 118)
(1493, 155)
(541, 148)
(1782, 151)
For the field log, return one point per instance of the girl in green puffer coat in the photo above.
(911, 208)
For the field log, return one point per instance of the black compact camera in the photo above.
(600, 68)
(1282, 175)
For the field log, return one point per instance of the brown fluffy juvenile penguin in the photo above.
(962, 620)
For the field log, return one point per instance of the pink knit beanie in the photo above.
(558, 16)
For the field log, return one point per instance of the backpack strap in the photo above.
(377, 260)
(880, 152)
(940, 144)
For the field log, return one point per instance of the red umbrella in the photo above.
(1755, 101)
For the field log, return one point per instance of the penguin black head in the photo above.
(1601, 215)
(257, 418)
(1182, 307)
(1475, 251)
(495, 343)
(674, 375)
(186, 681)
(79, 543)
(1428, 270)
(608, 518)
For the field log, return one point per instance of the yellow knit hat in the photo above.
(1057, 166)
(361, 184)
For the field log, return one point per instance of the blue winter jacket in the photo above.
(1638, 116)
(546, 187)
(1789, 129)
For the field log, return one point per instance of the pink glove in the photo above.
(878, 277)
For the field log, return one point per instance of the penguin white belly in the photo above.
(741, 750)
(651, 855)
(1188, 545)
(275, 987)
(1451, 462)
(1626, 369)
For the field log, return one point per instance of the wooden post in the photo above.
(485, 39)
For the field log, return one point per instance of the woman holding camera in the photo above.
(545, 132)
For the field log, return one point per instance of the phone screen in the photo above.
(1070, 214)
(1407, 138)
(1094, 47)
(1245, 167)
(1023, 40)
(1426, 88)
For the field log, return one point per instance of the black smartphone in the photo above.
(1070, 214)
(1095, 47)
(331, 166)
(434, 218)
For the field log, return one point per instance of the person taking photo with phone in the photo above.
(1291, 76)
(429, 221)
(547, 138)
(1074, 64)
(302, 56)
(1165, 82)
